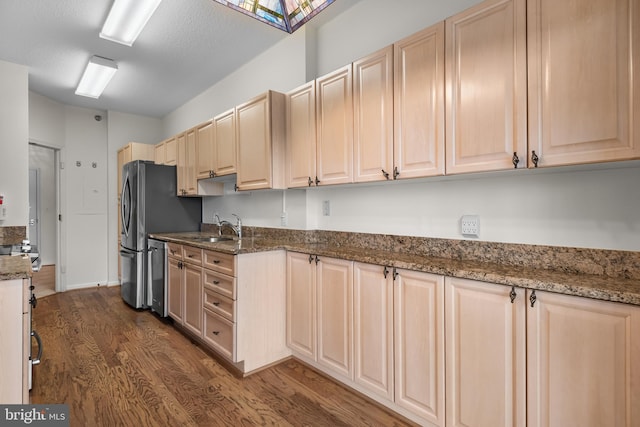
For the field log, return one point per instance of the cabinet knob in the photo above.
(385, 173)
(515, 160)
(317, 180)
(216, 282)
(396, 172)
(512, 294)
(216, 332)
(216, 261)
(310, 181)
(534, 158)
(217, 303)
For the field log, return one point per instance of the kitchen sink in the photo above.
(213, 239)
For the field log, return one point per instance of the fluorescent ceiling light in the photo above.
(126, 20)
(96, 76)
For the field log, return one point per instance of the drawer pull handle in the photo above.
(216, 332)
(189, 256)
(216, 282)
(216, 303)
(216, 261)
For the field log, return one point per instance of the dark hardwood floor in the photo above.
(115, 366)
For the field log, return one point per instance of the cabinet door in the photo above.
(181, 166)
(260, 139)
(335, 323)
(419, 104)
(159, 154)
(301, 136)
(373, 116)
(174, 286)
(204, 150)
(485, 355)
(373, 328)
(583, 59)
(419, 344)
(224, 143)
(301, 304)
(171, 151)
(583, 361)
(193, 298)
(486, 102)
(12, 352)
(334, 113)
(190, 180)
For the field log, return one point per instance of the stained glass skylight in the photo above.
(287, 15)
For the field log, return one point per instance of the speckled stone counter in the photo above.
(12, 235)
(600, 274)
(15, 267)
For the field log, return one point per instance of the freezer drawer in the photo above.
(133, 289)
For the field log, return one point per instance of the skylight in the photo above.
(271, 11)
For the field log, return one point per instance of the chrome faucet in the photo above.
(237, 229)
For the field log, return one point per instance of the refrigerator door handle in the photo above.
(125, 205)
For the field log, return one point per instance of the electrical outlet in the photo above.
(470, 225)
(326, 208)
(284, 219)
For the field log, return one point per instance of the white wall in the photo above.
(594, 206)
(121, 129)
(88, 195)
(14, 139)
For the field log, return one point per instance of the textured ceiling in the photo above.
(187, 46)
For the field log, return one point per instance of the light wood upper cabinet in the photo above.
(301, 305)
(224, 143)
(300, 107)
(181, 163)
(373, 116)
(419, 104)
(171, 151)
(485, 355)
(260, 136)
(204, 150)
(583, 361)
(335, 316)
(186, 168)
(373, 328)
(130, 152)
(486, 87)
(583, 60)
(159, 153)
(334, 113)
(419, 344)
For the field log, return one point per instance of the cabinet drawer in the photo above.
(221, 283)
(192, 255)
(218, 261)
(174, 250)
(225, 307)
(220, 334)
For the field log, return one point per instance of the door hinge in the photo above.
(59, 217)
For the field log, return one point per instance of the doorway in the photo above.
(43, 215)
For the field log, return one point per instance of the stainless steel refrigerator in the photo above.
(149, 204)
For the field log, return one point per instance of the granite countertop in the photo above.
(15, 267)
(599, 287)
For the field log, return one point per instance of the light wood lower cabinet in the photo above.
(583, 362)
(301, 305)
(335, 315)
(235, 304)
(419, 344)
(544, 359)
(185, 287)
(16, 341)
(485, 355)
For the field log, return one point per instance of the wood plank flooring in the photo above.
(115, 366)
